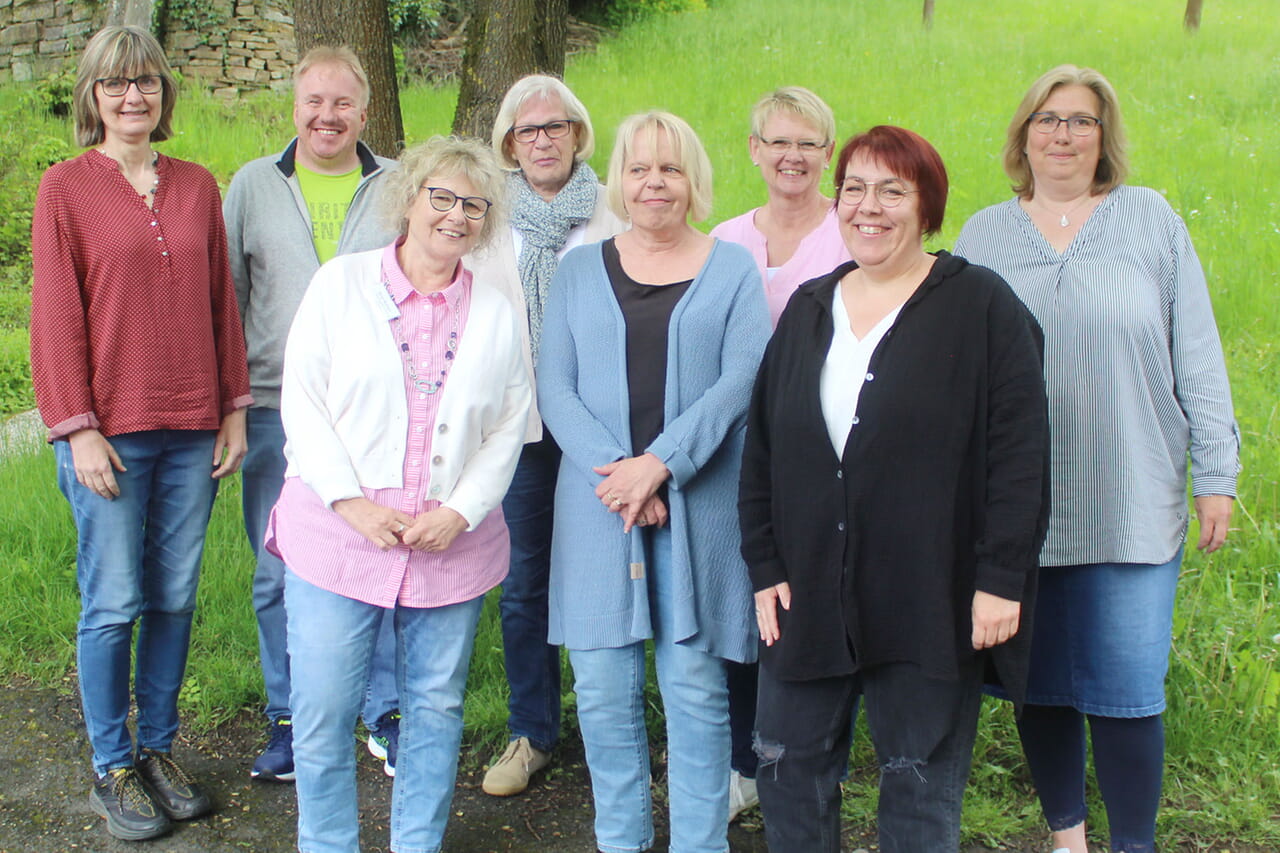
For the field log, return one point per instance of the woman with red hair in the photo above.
(892, 505)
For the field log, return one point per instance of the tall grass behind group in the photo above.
(1200, 113)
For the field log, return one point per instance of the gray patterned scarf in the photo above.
(545, 227)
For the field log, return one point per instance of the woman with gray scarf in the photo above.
(543, 135)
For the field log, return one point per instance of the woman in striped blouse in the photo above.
(1136, 379)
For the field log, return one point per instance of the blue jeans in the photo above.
(331, 641)
(532, 664)
(610, 687)
(923, 731)
(262, 476)
(138, 559)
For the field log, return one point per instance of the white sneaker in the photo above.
(742, 795)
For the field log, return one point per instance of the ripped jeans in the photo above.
(923, 731)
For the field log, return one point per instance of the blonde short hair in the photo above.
(323, 54)
(799, 102)
(690, 156)
(1113, 164)
(120, 52)
(447, 156)
(540, 86)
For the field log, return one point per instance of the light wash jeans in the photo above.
(138, 559)
(262, 477)
(331, 641)
(695, 697)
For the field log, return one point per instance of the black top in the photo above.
(646, 308)
(942, 488)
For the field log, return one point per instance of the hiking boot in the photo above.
(172, 787)
(510, 773)
(384, 741)
(131, 813)
(275, 764)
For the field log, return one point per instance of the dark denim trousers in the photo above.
(533, 665)
(923, 731)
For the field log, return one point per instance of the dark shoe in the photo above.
(174, 790)
(276, 762)
(131, 813)
(384, 740)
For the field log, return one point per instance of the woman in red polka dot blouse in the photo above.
(138, 361)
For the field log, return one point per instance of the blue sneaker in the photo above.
(276, 762)
(384, 740)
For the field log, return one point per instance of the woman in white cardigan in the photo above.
(404, 403)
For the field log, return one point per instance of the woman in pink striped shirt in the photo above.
(404, 403)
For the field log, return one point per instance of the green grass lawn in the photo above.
(1200, 112)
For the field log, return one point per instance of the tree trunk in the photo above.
(927, 16)
(1191, 18)
(130, 13)
(363, 26)
(506, 39)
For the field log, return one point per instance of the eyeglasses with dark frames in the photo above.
(557, 129)
(443, 200)
(1077, 125)
(114, 87)
(889, 192)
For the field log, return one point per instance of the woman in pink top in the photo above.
(793, 237)
(404, 400)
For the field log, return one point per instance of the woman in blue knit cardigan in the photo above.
(650, 344)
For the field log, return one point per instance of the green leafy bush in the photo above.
(15, 373)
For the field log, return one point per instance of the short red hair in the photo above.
(910, 156)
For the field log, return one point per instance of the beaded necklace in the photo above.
(426, 386)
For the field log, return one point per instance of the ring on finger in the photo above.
(617, 501)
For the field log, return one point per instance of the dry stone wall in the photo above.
(239, 46)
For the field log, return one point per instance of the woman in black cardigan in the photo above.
(893, 503)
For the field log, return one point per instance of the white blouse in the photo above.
(844, 370)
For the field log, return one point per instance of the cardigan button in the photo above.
(436, 460)
(435, 490)
(840, 527)
(442, 429)
(870, 377)
(839, 475)
(855, 420)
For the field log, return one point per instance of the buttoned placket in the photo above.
(428, 316)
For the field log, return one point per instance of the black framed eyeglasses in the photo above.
(889, 193)
(553, 129)
(114, 87)
(473, 206)
(1078, 125)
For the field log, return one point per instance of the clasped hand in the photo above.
(386, 528)
(630, 488)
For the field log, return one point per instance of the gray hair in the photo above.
(540, 86)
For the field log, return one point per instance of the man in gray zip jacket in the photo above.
(286, 214)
